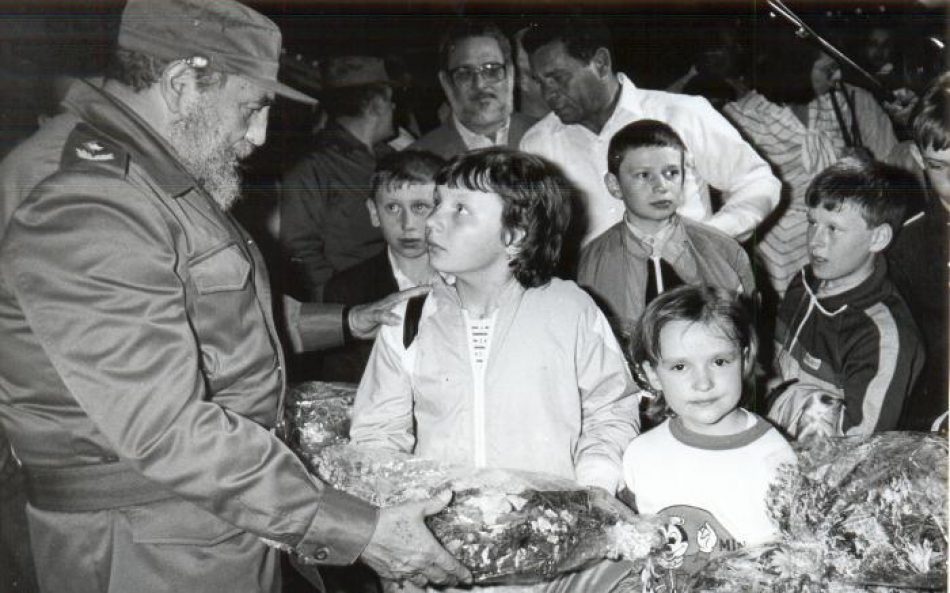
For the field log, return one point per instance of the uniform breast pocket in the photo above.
(221, 269)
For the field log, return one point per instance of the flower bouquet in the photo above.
(318, 414)
(506, 526)
(857, 514)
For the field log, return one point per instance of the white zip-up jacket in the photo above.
(557, 395)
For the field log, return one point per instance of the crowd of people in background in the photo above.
(566, 272)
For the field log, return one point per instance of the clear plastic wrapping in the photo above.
(507, 527)
(857, 514)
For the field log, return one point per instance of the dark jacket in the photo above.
(446, 141)
(324, 224)
(365, 282)
(136, 325)
(918, 263)
(861, 346)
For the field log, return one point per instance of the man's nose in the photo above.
(818, 237)
(257, 130)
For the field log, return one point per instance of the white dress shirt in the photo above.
(717, 156)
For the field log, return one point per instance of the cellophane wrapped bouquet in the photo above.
(508, 527)
(858, 514)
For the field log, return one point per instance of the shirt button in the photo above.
(250, 241)
(322, 554)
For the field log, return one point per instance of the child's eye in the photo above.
(678, 366)
(721, 362)
(421, 208)
(641, 176)
(392, 208)
(673, 173)
(461, 209)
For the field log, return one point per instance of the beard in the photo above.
(206, 153)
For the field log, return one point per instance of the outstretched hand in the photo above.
(364, 320)
(403, 548)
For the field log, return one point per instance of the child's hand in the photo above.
(605, 500)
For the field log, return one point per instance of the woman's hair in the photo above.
(708, 305)
(536, 199)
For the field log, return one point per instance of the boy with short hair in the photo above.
(401, 200)
(653, 249)
(845, 338)
(918, 261)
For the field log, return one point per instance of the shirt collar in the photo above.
(403, 281)
(110, 116)
(473, 141)
(654, 243)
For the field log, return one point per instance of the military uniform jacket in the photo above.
(136, 325)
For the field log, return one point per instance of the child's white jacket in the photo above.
(558, 396)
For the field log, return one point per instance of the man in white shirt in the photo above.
(590, 102)
(477, 74)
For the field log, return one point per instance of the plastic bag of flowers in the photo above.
(857, 514)
(318, 415)
(506, 526)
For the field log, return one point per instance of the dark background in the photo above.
(654, 42)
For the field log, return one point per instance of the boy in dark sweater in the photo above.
(846, 342)
(402, 198)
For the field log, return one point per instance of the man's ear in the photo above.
(915, 153)
(613, 185)
(373, 212)
(445, 83)
(881, 236)
(177, 85)
(602, 62)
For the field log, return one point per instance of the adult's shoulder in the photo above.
(443, 141)
(539, 135)
(519, 125)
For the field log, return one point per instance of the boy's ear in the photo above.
(613, 185)
(373, 212)
(881, 236)
(915, 153)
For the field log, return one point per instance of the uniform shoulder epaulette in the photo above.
(85, 146)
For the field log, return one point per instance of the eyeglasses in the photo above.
(491, 72)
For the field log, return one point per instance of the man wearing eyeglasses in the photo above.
(477, 75)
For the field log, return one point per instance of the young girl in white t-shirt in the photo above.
(708, 466)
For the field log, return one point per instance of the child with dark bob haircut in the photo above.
(707, 468)
(535, 203)
(510, 367)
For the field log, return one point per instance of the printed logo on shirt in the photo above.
(691, 535)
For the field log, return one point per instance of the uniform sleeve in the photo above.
(750, 191)
(881, 363)
(94, 269)
(302, 204)
(609, 403)
(313, 326)
(382, 411)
